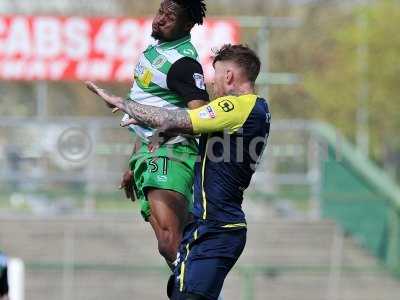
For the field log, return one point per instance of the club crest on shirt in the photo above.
(159, 62)
(199, 81)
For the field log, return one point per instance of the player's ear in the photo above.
(229, 76)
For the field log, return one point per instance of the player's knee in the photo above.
(164, 250)
(167, 247)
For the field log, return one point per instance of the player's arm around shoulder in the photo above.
(221, 113)
(224, 113)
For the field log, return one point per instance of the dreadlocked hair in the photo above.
(195, 8)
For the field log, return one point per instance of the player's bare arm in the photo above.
(169, 121)
(190, 105)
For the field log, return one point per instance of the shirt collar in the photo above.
(173, 44)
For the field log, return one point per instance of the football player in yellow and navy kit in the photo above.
(233, 128)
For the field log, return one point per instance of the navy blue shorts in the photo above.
(206, 254)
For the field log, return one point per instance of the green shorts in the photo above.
(171, 167)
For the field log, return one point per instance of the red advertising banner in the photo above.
(76, 48)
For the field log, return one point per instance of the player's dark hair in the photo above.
(196, 9)
(243, 56)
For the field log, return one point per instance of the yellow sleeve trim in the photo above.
(228, 112)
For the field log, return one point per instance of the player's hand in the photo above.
(158, 139)
(110, 100)
(127, 185)
(130, 121)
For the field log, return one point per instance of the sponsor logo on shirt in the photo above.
(143, 75)
(207, 113)
(146, 78)
(211, 113)
(199, 81)
(139, 69)
(226, 105)
(162, 178)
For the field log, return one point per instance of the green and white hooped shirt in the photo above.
(150, 80)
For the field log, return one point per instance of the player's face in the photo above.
(222, 79)
(170, 23)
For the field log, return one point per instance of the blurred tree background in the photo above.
(337, 73)
(324, 51)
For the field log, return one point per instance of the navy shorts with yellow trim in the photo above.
(206, 254)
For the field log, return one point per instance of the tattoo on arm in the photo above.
(170, 121)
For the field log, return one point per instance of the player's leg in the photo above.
(204, 263)
(208, 280)
(169, 214)
(167, 186)
(164, 190)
